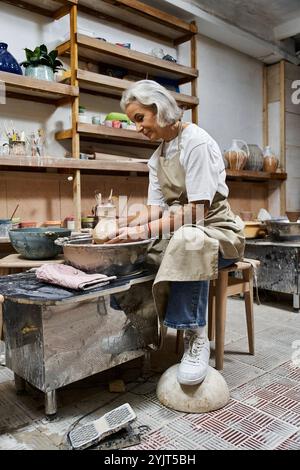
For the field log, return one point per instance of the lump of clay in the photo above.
(105, 230)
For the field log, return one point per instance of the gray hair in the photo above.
(152, 94)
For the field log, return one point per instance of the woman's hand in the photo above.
(130, 234)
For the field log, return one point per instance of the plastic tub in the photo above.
(5, 226)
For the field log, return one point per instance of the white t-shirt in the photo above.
(203, 164)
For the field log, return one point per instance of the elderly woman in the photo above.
(188, 212)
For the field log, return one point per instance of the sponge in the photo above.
(117, 117)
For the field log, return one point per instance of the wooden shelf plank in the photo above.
(108, 134)
(100, 51)
(109, 163)
(19, 86)
(254, 175)
(140, 17)
(117, 163)
(43, 7)
(95, 83)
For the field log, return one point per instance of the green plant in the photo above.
(40, 56)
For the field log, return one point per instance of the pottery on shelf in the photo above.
(41, 72)
(270, 162)
(255, 160)
(7, 61)
(236, 156)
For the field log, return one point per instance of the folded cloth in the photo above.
(72, 278)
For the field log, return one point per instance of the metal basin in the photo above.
(119, 260)
(37, 243)
(283, 230)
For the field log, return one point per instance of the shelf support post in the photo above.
(194, 82)
(75, 110)
(282, 135)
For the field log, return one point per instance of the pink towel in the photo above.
(72, 278)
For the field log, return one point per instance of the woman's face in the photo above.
(145, 120)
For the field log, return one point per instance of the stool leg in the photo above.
(179, 340)
(221, 302)
(248, 277)
(211, 311)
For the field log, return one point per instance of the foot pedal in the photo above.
(111, 422)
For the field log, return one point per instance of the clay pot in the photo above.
(270, 164)
(236, 160)
(235, 156)
(293, 216)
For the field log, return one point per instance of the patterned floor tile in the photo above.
(263, 412)
(292, 443)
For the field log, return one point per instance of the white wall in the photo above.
(230, 83)
(230, 93)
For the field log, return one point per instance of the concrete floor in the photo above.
(263, 412)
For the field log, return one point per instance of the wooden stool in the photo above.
(219, 290)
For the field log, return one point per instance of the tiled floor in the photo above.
(263, 412)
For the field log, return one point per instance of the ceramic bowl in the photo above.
(37, 243)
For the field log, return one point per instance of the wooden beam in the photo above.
(265, 107)
(75, 116)
(63, 48)
(282, 135)
(64, 135)
(194, 82)
(65, 76)
(182, 39)
(61, 12)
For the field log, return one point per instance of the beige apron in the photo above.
(192, 253)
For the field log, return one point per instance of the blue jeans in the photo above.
(188, 301)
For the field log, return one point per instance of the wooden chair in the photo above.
(219, 290)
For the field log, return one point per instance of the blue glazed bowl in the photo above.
(37, 243)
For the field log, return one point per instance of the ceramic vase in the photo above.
(7, 61)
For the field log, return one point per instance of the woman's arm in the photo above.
(148, 214)
(172, 220)
(169, 222)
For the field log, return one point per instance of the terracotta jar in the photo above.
(270, 161)
(236, 156)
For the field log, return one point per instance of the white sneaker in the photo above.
(194, 364)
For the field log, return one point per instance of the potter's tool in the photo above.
(11, 217)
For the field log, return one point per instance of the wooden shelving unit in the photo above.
(129, 13)
(27, 88)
